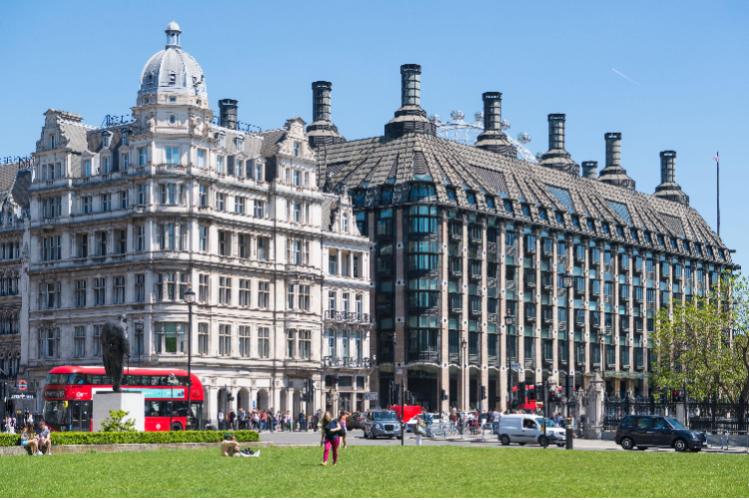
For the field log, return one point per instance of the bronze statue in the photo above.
(114, 348)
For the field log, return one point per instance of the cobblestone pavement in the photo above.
(355, 438)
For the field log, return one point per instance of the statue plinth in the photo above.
(132, 402)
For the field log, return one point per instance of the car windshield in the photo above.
(676, 424)
(383, 415)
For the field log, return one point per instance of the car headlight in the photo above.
(377, 426)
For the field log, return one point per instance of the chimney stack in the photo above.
(228, 113)
(668, 189)
(557, 156)
(589, 169)
(322, 130)
(410, 117)
(613, 173)
(492, 138)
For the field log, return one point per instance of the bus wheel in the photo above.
(176, 426)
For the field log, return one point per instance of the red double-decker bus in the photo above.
(69, 392)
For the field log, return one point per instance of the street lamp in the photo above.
(189, 297)
(464, 373)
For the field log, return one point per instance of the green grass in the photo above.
(377, 471)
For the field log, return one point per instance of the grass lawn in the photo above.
(378, 471)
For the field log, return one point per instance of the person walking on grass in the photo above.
(329, 429)
(343, 422)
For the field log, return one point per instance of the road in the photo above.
(356, 439)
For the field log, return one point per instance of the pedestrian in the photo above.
(232, 420)
(242, 417)
(220, 418)
(419, 430)
(329, 429)
(302, 420)
(343, 421)
(724, 440)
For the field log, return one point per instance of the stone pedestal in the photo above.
(132, 402)
(594, 408)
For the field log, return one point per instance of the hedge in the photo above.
(59, 438)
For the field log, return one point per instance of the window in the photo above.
(100, 291)
(220, 202)
(138, 345)
(49, 342)
(224, 243)
(52, 248)
(203, 237)
(142, 157)
(259, 175)
(203, 287)
(333, 262)
(86, 168)
(263, 248)
(224, 290)
(80, 293)
(79, 342)
(141, 194)
(305, 344)
(230, 165)
(123, 200)
(224, 340)
(51, 207)
(87, 204)
(304, 298)
(124, 160)
(120, 241)
(202, 338)
(263, 342)
(140, 238)
(244, 292)
(219, 164)
(291, 344)
(169, 337)
(244, 245)
(118, 290)
(106, 202)
(100, 238)
(106, 164)
(172, 155)
(203, 195)
(202, 158)
(166, 286)
(331, 301)
(297, 252)
(239, 202)
(245, 341)
(263, 294)
(140, 288)
(171, 194)
(290, 297)
(96, 341)
(259, 209)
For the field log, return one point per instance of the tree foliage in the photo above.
(703, 345)
(116, 422)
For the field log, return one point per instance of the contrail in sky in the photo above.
(619, 73)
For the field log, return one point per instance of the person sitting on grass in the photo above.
(44, 439)
(29, 441)
(230, 448)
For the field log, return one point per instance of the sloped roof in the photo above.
(370, 162)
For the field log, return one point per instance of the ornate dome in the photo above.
(173, 71)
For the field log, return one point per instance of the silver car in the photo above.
(382, 423)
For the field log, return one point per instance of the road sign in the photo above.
(22, 385)
(370, 396)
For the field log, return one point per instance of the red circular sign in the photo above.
(22, 385)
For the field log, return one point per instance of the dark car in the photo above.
(381, 423)
(356, 421)
(643, 431)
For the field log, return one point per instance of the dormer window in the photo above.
(297, 148)
(51, 141)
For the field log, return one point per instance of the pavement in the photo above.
(356, 438)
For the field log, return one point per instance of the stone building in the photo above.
(491, 270)
(125, 218)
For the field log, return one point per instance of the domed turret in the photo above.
(173, 75)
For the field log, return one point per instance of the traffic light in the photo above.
(483, 392)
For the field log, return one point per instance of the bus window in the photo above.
(153, 408)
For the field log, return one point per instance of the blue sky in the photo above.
(685, 85)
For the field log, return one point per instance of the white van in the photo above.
(521, 428)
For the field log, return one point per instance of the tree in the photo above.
(703, 345)
(116, 422)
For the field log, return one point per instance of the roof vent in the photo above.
(557, 156)
(668, 189)
(228, 110)
(590, 169)
(613, 173)
(492, 138)
(410, 117)
(322, 130)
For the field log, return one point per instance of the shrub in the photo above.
(60, 438)
(117, 423)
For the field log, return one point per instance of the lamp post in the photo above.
(465, 389)
(568, 282)
(189, 297)
(508, 323)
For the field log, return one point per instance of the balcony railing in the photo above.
(347, 362)
(424, 357)
(347, 316)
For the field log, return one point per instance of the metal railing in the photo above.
(346, 316)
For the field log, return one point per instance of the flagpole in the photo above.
(717, 186)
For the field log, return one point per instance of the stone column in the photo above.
(594, 408)
(465, 372)
(400, 302)
(504, 362)
(444, 371)
(210, 410)
(484, 334)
